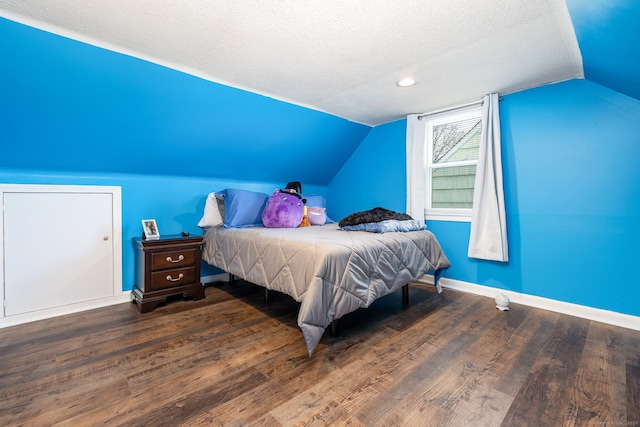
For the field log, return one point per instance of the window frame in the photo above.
(445, 214)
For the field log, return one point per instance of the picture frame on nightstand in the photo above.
(150, 229)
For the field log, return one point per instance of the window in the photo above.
(452, 145)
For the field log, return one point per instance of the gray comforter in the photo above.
(332, 272)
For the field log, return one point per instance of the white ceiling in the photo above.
(337, 56)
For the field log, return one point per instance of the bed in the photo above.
(330, 271)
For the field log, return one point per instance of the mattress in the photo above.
(330, 271)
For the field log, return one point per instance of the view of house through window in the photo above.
(453, 141)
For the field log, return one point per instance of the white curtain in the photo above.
(416, 133)
(488, 239)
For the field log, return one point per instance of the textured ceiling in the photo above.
(340, 57)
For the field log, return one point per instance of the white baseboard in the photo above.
(48, 313)
(125, 296)
(599, 315)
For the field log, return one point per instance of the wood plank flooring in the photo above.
(232, 360)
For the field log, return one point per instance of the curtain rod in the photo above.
(470, 104)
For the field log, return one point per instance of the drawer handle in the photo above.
(180, 258)
(171, 279)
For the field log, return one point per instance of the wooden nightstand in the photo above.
(165, 267)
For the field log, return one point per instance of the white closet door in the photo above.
(58, 249)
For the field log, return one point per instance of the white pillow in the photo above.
(212, 216)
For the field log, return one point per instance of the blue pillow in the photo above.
(315, 200)
(243, 208)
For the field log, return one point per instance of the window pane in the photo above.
(452, 187)
(456, 141)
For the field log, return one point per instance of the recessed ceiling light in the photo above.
(406, 82)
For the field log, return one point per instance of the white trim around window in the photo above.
(455, 215)
(469, 112)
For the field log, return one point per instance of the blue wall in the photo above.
(607, 32)
(75, 114)
(572, 189)
(66, 105)
(374, 174)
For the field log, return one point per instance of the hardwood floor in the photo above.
(230, 360)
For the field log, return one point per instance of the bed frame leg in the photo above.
(436, 279)
(333, 329)
(405, 294)
(266, 296)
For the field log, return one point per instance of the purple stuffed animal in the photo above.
(317, 215)
(284, 209)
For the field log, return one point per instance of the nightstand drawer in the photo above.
(173, 259)
(172, 278)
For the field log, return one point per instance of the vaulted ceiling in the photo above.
(344, 58)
